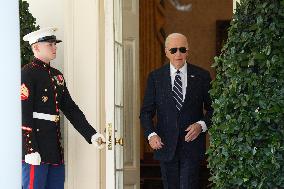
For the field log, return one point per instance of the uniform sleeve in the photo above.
(29, 142)
(76, 116)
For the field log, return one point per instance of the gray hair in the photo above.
(173, 35)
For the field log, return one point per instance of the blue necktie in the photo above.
(177, 90)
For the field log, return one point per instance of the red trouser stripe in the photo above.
(32, 176)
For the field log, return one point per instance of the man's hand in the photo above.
(193, 131)
(33, 158)
(98, 140)
(155, 142)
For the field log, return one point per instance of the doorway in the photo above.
(200, 22)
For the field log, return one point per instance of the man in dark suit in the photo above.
(177, 93)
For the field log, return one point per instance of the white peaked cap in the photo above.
(41, 35)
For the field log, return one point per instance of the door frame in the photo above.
(130, 44)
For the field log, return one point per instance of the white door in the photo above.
(122, 94)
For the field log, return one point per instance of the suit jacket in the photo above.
(44, 90)
(171, 123)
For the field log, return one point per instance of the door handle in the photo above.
(119, 141)
(100, 141)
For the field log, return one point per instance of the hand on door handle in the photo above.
(98, 140)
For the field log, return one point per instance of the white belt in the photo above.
(47, 117)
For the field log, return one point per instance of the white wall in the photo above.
(10, 111)
(48, 14)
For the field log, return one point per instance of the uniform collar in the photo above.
(41, 63)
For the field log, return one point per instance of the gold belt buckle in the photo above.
(57, 118)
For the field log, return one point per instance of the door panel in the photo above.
(132, 98)
(123, 137)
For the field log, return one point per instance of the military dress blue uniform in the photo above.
(43, 94)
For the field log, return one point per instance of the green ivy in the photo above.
(27, 25)
(247, 136)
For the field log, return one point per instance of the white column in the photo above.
(10, 111)
(234, 4)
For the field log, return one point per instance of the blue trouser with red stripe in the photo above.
(43, 176)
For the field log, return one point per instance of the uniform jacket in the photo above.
(43, 90)
(171, 123)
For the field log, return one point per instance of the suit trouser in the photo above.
(181, 172)
(43, 176)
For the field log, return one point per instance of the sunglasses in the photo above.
(181, 49)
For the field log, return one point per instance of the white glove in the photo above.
(33, 158)
(98, 140)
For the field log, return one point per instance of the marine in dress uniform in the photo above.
(43, 94)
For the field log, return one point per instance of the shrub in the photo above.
(247, 136)
(27, 25)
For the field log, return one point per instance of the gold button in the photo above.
(45, 90)
(44, 98)
(57, 118)
(30, 142)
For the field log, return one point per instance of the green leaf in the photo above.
(259, 56)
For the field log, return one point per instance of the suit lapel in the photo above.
(190, 84)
